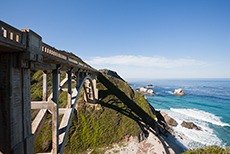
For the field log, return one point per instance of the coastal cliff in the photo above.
(121, 121)
(119, 114)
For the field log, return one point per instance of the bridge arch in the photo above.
(89, 86)
(85, 82)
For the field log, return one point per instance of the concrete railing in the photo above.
(54, 52)
(11, 35)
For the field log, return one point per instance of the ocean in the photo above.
(207, 104)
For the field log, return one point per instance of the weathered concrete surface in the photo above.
(15, 108)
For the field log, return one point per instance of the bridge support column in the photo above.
(55, 133)
(59, 78)
(78, 78)
(15, 108)
(45, 77)
(87, 91)
(69, 101)
(83, 74)
(95, 87)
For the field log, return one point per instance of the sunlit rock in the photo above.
(179, 92)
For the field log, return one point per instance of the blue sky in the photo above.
(138, 39)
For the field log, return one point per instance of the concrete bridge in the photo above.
(22, 51)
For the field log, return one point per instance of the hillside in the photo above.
(111, 73)
(119, 113)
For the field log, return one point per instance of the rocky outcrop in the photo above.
(190, 125)
(163, 126)
(179, 92)
(111, 73)
(142, 89)
(149, 85)
(145, 90)
(150, 92)
(169, 120)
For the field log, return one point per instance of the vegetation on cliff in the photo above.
(209, 150)
(119, 113)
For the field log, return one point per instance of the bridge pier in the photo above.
(90, 91)
(87, 91)
(55, 109)
(45, 86)
(94, 81)
(15, 107)
(69, 101)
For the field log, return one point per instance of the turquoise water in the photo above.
(207, 104)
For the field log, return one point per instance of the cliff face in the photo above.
(111, 73)
(119, 113)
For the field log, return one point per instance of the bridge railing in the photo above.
(54, 52)
(11, 35)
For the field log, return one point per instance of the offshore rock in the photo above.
(190, 125)
(149, 85)
(142, 89)
(150, 91)
(179, 92)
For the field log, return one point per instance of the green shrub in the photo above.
(209, 150)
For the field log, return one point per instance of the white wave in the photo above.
(170, 92)
(201, 115)
(193, 139)
(205, 137)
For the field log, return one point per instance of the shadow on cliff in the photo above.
(133, 111)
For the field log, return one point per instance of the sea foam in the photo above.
(201, 115)
(193, 139)
(170, 92)
(205, 137)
